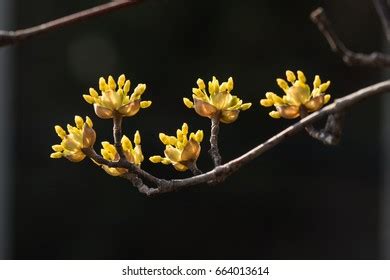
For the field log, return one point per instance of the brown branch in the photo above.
(374, 59)
(117, 133)
(214, 151)
(12, 37)
(383, 10)
(221, 172)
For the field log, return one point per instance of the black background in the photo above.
(301, 200)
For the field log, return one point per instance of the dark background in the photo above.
(301, 200)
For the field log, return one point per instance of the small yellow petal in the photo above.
(56, 155)
(290, 76)
(282, 84)
(275, 114)
(201, 84)
(89, 122)
(126, 143)
(245, 106)
(79, 122)
(145, 104)
(184, 128)
(266, 102)
(199, 136)
(230, 84)
(165, 161)
(88, 98)
(140, 89)
(93, 92)
(137, 138)
(60, 131)
(111, 83)
(57, 148)
(188, 103)
(301, 77)
(317, 81)
(126, 88)
(324, 87)
(326, 98)
(121, 80)
(102, 84)
(156, 159)
(198, 93)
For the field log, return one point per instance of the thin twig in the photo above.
(214, 151)
(12, 37)
(383, 10)
(223, 171)
(375, 59)
(117, 133)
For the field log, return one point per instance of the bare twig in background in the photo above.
(214, 150)
(12, 37)
(221, 172)
(383, 10)
(376, 59)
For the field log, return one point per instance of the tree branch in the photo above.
(117, 133)
(12, 37)
(214, 151)
(374, 59)
(383, 10)
(221, 172)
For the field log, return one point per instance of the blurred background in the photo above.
(301, 200)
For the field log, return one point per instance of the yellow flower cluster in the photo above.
(180, 151)
(114, 99)
(297, 96)
(219, 102)
(78, 137)
(132, 154)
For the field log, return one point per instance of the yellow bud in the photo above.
(121, 80)
(326, 98)
(111, 83)
(211, 88)
(290, 76)
(105, 144)
(137, 138)
(324, 87)
(165, 161)
(93, 92)
(199, 136)
(223, 87)
(198, 92)
(184, 128)
(172, 140)
(188, 103)
(139, 90)
(266, 102)
(156, 159)
(230, 84)
(216, 84)
(89, 122)
(60, 131)
(282, 84)
(102, 84)
(57, 148)
(88, 98)
(79, 122)
(317, 81)
(126, 88)
(126, 143)
(275, 114)
(56, 155)
(301, 76)
(105, 154)
(245, 106)
(145, 104)
(163, 138)
(119, 92)
(179, 135)
(201, 84)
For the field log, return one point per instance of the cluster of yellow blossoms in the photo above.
(132, 154)
(182, 151)
(115, 101)
(297, 96)
(220, 102)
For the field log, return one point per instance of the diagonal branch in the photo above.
(13, 37)
(383, 10)
(374, 59)
(221, 172)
